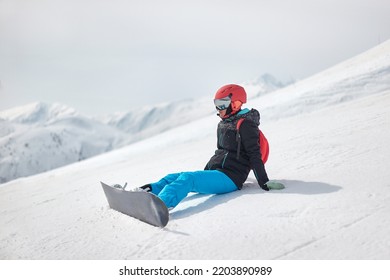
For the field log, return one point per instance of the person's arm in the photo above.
(249, 132)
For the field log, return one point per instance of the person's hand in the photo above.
(275, 185)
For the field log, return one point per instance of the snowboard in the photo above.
(143, 206)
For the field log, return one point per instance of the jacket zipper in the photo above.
(224, 159)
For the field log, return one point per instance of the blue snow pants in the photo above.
(173, 188)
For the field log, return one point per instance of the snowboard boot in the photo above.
(145, 188)
(118, 186)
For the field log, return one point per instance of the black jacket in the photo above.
(225, 157)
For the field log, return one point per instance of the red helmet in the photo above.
(230, 97)
(235, 92)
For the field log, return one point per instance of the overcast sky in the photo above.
(102, 56)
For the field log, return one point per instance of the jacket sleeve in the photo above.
(249, 132)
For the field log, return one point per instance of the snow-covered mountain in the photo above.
(38, 113)
(333, 156)
(39, 137)
(151, 120)
(263, 84)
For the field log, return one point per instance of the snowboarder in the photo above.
(225, 172)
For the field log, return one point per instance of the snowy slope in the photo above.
(363, 75)
(333, 159)
(39, 137)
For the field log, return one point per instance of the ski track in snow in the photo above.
(340, 230)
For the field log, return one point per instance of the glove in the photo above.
(265, 187)
(275, 185)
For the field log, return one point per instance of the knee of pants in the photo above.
(166, 180)
(176, 191)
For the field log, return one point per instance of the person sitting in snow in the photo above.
(226, 171)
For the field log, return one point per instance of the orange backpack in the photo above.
(264, 147)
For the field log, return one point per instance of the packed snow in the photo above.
(329, 138)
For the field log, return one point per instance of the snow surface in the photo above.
(329, 138)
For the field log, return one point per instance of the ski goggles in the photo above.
(222, 103)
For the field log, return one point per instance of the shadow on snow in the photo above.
(208, 201)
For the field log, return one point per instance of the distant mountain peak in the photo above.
(263, 84)
(267, 79)
(37, 112)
